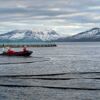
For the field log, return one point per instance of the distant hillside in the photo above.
(29, 36)
(90, 35)
(50, 35)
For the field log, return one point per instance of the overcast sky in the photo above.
(65, 16)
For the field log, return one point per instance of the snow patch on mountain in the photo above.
(17, 36)
(47, 35)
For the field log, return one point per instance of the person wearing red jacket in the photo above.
(10, 51)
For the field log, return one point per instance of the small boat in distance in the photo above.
(10, 52)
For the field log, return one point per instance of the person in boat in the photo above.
(10, 51)
(24, 48)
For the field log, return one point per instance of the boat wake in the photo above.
(49, 87)
(27, 62)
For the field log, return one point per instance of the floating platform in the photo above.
(28, 45)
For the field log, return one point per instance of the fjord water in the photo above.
(70, 71)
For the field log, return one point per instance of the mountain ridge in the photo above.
(29, 35)
(86, 36)
(49, 35)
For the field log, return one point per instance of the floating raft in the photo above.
(28, 45)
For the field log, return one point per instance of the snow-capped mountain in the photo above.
(29, 35)
(49, 35)
(90, 35)
(93, 33)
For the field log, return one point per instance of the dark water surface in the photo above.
(70, 71)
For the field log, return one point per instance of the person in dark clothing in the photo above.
(24, 49)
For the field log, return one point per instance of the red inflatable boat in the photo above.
(20, 53)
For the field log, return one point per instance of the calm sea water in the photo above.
(70, 71)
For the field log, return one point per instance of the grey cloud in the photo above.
(42, 11)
